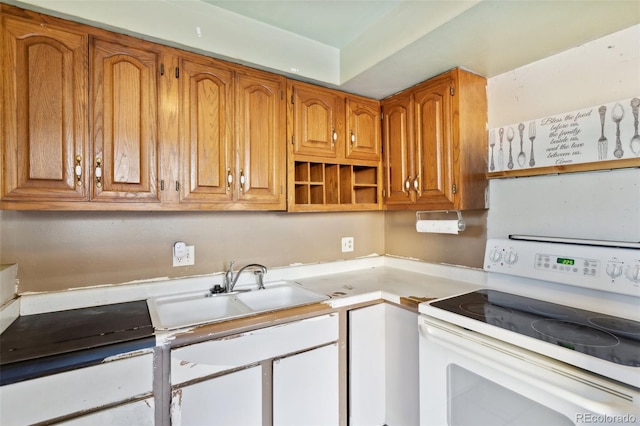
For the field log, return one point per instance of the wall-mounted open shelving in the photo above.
(328, 184)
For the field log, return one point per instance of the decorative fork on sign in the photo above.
(532, 136)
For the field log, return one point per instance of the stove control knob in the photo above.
(614, 270)
(511, 257)
(495, 255)
(633, 273)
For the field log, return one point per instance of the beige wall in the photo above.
(61, 250)
(466, 248)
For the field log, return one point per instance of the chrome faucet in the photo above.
(230, 279)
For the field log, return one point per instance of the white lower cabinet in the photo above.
(305, 388)
(383, 366)
(231, 399)
(260, 377)
(112, 392)
(138, 413)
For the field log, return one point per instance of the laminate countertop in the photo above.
(47, 343)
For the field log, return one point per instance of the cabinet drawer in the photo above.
(76, 391)
(203, 359)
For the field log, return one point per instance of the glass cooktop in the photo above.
(603, 336)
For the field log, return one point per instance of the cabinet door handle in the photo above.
(353, 138)
(98, 172)
(229, 179)
(242, 180)
(78, 170)
(334, 137)
(407, 185)
(416, 184)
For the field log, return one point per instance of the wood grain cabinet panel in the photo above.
(317, 127)
(398, 149)
(124, 104)
(261, 138)
(435, 143)
(363, 131)
(206, 102)
(44, 86)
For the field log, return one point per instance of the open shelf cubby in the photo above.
(335, 184)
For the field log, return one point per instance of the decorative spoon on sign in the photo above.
(616, 115)
(510, 135)
(635, 140)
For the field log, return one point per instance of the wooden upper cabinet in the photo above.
(124, 106)
(206, 145)
(44, 131)
(435, 142)
(363, 130)
(398, 149)
(317, 120)
(261, 139)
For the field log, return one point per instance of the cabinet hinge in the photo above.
(293, 139)
(177, 186)
(452, 90)
(161, 69)
(162, 185)
(381, 115)
(454, 188)
(177, 72)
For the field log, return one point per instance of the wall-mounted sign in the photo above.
(600, 133)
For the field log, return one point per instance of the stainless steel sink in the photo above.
(196, 308)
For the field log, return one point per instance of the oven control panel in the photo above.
(607, 268)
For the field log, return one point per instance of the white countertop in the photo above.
(384, 282)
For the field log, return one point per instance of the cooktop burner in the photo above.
(603, 336)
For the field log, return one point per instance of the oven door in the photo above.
(470, 379)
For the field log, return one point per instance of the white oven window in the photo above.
(476, 401)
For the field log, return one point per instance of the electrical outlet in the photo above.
(347, 244)
(188, 259)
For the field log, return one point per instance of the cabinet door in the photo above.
(398, 149)
(363, 132)
(44, 131)
(305, 388)
(261, 139)
(139, 413)
(206, 102)
(124, 80)
(433, 139)
(316, 126)
(231, 399)
(383, 366)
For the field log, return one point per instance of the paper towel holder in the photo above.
(461, 224)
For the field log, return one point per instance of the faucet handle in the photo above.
(260, 274)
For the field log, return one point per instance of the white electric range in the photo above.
(555, 333)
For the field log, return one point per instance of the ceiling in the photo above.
(369, 47)
(386, 46)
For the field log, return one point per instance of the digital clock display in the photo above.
(565, 261)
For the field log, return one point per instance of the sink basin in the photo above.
(196, 308)
(171, 312)
(278, 297)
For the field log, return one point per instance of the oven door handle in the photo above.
(450, 338)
